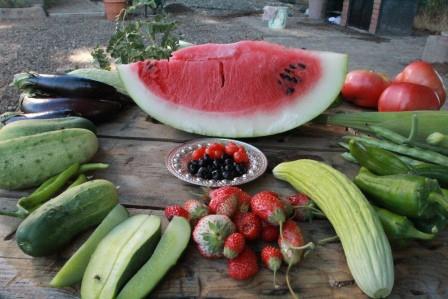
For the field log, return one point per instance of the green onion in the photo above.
(399, 122)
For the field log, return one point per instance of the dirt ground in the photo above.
(60, 43)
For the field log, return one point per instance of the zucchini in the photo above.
(365, 244)
(29, 161)
(54, 224)
(29, 127)
(119, 255)
(173, 243)
(74, 268)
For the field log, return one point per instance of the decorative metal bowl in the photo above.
(177, 162)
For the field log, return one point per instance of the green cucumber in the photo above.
(54, 224)
(29, 161)
(29, 127)
(74, 268)
(119, 255)
(173, 243)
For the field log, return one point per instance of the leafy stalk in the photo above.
(138, 40)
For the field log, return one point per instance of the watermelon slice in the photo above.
(245, 89)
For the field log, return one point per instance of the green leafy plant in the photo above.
(138, 40)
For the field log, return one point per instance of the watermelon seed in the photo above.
(293, 66)
(288, 71)
(279, 82)
(221, 74)
(294, 79)
(290, 90)
(301, 65)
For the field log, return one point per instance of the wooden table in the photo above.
(135, 146)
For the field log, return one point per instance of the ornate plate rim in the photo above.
(255, 155)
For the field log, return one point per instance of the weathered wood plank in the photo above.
(419, 271)
(138, 167)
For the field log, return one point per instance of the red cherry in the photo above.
(231, 148)
(241, 156)
(198, 153)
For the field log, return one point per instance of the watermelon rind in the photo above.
(259, 123)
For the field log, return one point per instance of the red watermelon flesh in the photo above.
(245, 89)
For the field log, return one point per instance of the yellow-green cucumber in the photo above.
(119, 255)
(29, 127)
(28, 161)
(173, 243)
(74, 268)
(365, 244)
(54, 224)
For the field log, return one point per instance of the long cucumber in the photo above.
(29, 127)
(74, 268)
(365, 244)
(119, 255)
(29, 161)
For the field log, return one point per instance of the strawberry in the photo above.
(269, 232)
(272, 259)
(231, 148)
(304, 208)
(243, 266)
(287, 207)
(196, 209)
(210, 234)
(248, 224)
(198, 153)
(298, 199)
(292, 243)
(243, 202)
(225, 200)
(240, 156)
(176, 210)
(215, 150)
(268, 207)
(234, 245)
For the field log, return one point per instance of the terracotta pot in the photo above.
(113, 8)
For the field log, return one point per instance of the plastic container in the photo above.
(276, 16)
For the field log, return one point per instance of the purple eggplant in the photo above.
(66, 86)
(92, 109)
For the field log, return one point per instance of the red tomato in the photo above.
(241, 156)
(231, 148)
(403, 96)
(363, 87)
(421, 72)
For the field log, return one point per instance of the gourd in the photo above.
(366, 247)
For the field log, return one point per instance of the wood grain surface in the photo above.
(135, 146)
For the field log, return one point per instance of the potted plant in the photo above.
(113, 8)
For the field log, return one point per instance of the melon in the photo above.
(244, 89)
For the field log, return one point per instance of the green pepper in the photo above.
(403, 194)
(79, 180)
(434, 225)
(378, 160)
(399, 227)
